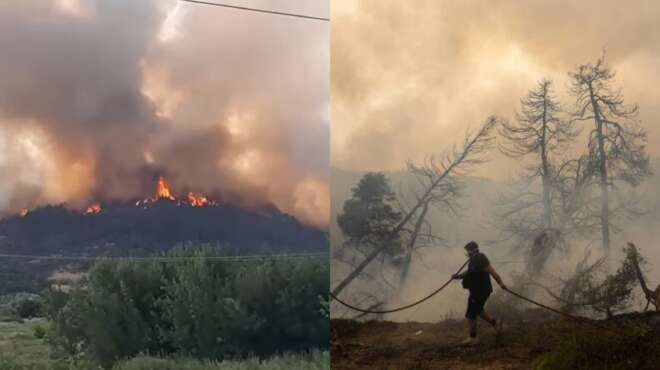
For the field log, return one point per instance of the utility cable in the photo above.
(257, 10)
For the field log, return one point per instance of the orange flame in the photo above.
(163, 189)
(93, 209)
(197, 200)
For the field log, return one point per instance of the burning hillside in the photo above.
(162, 192)
(154, 222)
(145, 227)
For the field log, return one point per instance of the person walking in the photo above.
(477, 281)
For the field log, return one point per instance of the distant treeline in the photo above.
(196, 307)
(127, 230)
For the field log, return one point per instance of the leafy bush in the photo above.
(28, 309)
(212, 309)
(21, 305)
(39, 331)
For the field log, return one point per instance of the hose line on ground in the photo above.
(565, 314)
(402, 307)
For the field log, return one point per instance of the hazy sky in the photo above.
(96, 97)
(407, 78)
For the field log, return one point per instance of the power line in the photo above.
(169, 259)
(257, 10)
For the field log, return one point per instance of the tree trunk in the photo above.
(370, 257)
(602, 166)
(547, 215)
(467, 149)
(411, 244)
(405, 268)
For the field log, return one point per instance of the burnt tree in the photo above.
(652, 296)
(537, 136)
(438, 176)
(616, 142)
(538, 133)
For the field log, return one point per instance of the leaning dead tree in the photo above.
(415, 239)
(421, 234)
(537, 137)
(593, 288)
(438, 180)
(652, 296)
(616, 142)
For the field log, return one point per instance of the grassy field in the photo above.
(20, 349)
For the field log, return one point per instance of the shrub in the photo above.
(213, 309)
(39, 331)
(22, 305)
(28, 308)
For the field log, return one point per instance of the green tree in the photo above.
(193, 303)
(369, 216)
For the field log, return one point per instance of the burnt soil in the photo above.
(388, 345)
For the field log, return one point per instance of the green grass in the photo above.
(20, 349)
(314, 361)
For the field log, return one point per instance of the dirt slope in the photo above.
(387, 345)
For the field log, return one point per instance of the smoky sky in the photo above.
(98, 97)
(408, 78)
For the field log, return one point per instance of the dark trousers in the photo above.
(476, 303)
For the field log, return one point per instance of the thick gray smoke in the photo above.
(97, 98)
(411, 76)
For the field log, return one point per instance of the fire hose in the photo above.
(520, 296)
(402, 307)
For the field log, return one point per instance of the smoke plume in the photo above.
(98, 98)
(409, 78)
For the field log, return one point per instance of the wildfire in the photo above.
(163, 192)
(93, 209)
(197, 200)
(163, 189)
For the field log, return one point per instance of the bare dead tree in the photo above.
(538, 133)
(445, 197)
(411, 243)
(437, 178)
(537, 136)
(575, 208)
(616, 143)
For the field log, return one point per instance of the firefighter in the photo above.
(477, 281)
